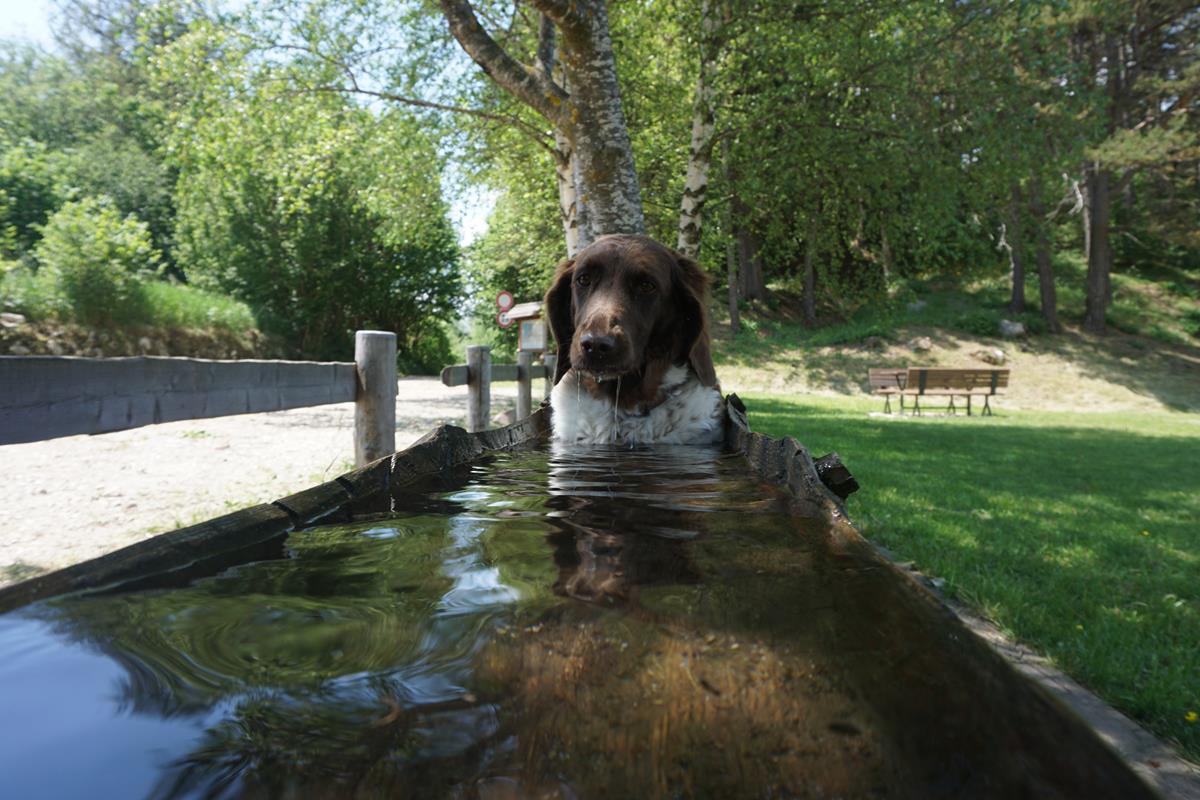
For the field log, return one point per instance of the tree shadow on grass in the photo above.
(1169, 373)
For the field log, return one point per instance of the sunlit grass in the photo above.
(158, 303)
(1079, 534)
(173, 305)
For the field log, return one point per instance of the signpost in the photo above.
(504, 302)
(531, 336)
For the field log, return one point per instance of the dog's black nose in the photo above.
(597, 345)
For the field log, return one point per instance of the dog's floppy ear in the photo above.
(561, 314)
(692, 285)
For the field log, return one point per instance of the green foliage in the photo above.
(854, 330)
(31, 188)
(428, 353)
(97, 259)
(517, 254)
(1096, 567)
(30, 293)
(323, 216)
(890, 151)
(84, 124)
(160, 304)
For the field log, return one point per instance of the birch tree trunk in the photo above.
(695, 185)
(607, 181)
(565, 163)
(584, 109)
(568, 197)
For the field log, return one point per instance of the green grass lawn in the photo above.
(1079, 534)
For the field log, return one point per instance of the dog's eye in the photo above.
(583, 280)
(646, 286)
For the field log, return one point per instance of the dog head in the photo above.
(625, 304)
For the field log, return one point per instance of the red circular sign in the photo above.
(503, 320)
(504, 301)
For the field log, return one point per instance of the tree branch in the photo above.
(528, 85)
(547, 46)
(540, 138)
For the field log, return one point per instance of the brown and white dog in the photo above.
(634, 365)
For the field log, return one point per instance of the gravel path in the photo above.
(67, 500)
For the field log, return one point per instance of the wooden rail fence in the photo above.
(45, 397)
(479, 373)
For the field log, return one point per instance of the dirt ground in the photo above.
(78, 497)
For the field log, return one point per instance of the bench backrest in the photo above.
(886, 377)
(981, 381)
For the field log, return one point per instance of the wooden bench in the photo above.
(918, 382)
(888, 382)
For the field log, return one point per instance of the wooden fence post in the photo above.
(551, 362)
(524, 384)
(375, 401)
(479, 387)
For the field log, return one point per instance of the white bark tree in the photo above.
(695, 186)
(575, 89)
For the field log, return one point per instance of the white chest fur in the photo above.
(692, 413)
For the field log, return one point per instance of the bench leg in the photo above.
(951, 408)
(917, 406)
(887, 404)
(968, 405)
(987, 408)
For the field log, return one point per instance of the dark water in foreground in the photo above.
(608, 624)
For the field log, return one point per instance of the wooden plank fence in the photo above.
(479, 373)
(45, 397)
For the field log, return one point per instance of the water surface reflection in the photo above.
(599, 623)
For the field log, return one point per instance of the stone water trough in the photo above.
(512, 621)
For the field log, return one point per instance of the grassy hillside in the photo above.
(163, 318)
(1149, 360)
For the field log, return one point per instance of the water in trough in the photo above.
(584, 624)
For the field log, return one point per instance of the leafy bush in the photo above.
(980, 323)
(1034, 323)
(96, 260)
(323, 217)
(30, 177)
(852, 331)
(23, 290)
(427, 354)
